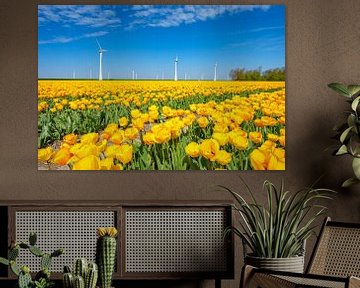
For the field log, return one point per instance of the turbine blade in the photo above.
(98, 43)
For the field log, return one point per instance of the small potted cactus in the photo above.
(42, 278)
(106, 254)
(85, 275)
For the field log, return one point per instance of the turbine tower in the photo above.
(176, 62)
(215, 66)
(100, 62)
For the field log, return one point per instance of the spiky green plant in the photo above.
(85, 274)
(279, 229)
(106, 254)
(42, 278)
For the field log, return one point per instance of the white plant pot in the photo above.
(291, 264)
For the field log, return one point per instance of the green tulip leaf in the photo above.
(349, 182)
(342, 150)
(355, 103)
(340, 88)
(356, 167)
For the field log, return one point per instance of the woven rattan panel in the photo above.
(338, 253)
(311, 282)
(175, 241)
(75, 231)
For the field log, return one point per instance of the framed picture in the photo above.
(161, 87)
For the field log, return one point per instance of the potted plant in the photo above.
(42, 278)
(276, 233)
(349, 132)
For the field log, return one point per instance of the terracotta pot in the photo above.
(291, 264)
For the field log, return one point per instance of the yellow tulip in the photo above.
(124, 154)
(131, 133)
(162, 135)
(222, 157)
(282, 141)
(90, 162)
(61, 156)
(272, 137)
(123, 122)
(44, 154)
(111, 129)
(86, 150)
(70, 139)
(203, 122)
(193, 149)
(209, 148)
(112, 151)
(135, 114)
(89, 138)
(107, 163)
(149, 138)
(240, 142)
(255, 137)
(220, 128)
(221, 138)
(257, 160)
(118, 137)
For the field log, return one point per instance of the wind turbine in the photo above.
(100, 63)
(176, 62)
(215, 66)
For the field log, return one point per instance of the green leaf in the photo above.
(355, 103)
(4, 261)
(356, 167)
(353, 89)
(349, 182)
(345, 134)
(351, 120)
(340, 88)
(342, 150)
(354, 145)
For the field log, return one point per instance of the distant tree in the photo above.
(241, 74)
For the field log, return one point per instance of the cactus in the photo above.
(79, 282)
(45, 261)
(88, 273)
(80, 267)
(105, 255)
(23, 273)
(13, 253)
(91, 276)
(36, 251)
(68, 280)
(32, 239)
(4, 261)
(24, 279)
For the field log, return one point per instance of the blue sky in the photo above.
(146, 39)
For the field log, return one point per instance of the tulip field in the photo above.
(161, 125)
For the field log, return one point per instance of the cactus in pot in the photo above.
(85, 275)
(106, 254)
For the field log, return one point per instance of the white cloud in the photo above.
(170, 16)
(62, 39)
(82, 15)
